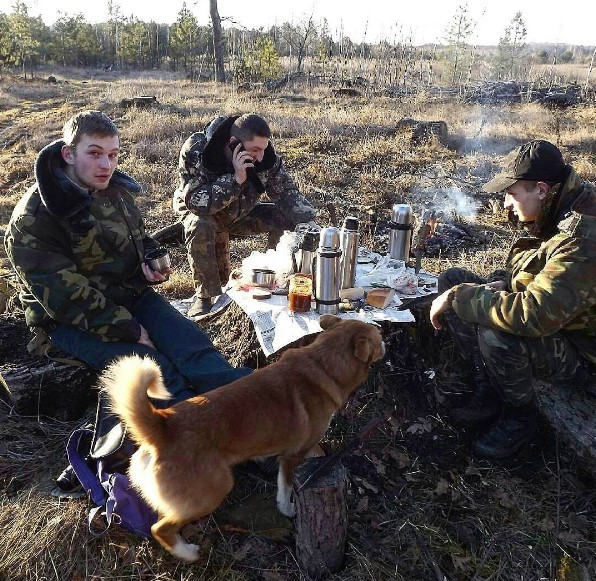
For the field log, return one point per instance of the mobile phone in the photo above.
(234, 144)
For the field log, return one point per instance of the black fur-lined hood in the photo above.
(217, 133)
(62, 197)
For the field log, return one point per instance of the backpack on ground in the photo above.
(100, 458)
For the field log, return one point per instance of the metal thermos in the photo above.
(400, 234)
(306, 253)
(349, 251)
(328, 271)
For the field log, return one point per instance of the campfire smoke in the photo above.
(454, 202)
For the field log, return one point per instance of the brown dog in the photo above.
(183, 467)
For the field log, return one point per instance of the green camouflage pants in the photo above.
(208, 243)
(512, 361)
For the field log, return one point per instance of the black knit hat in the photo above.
(537, 160)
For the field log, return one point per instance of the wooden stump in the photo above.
(321, 523)
(143, 101)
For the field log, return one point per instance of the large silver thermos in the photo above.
(327, 272)
(400, 232)
(306, 253)
(349, 251)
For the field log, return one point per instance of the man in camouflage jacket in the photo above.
(537, 318)
(224, 172)
(77, 242)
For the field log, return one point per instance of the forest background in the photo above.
(304, 46)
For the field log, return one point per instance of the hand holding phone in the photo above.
(241, 160)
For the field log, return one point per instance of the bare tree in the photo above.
(458, 31)
(218, 45)
(297, 37)
(590, 71)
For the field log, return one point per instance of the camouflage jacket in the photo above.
(207, 186)
(550, 277)
(78, 254)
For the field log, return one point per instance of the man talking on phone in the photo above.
(225, 171)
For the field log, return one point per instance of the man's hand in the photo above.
(154, 276)
(241, 160)
(144, 338)
(441, 304)
(496, 285)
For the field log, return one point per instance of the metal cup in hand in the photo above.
(158, 259)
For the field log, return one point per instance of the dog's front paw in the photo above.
(186, 551)
(286, 507)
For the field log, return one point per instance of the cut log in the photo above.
(321, 523)
(572, 413)
(35, 385)
(47, 388)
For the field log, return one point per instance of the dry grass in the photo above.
(418, 503)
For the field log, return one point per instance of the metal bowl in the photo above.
(263, 277)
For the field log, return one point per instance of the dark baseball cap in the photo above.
(537, 160)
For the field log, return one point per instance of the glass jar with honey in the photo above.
(300, 293)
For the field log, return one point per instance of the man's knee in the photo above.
(454, 276)
(198, 230)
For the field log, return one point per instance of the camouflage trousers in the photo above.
(511, 361)
(208, 243)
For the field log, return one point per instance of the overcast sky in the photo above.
(568, 22)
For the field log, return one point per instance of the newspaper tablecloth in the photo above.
(276, 326)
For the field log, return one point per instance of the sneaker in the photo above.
(68, 485)
(201, 306)
(68, 481)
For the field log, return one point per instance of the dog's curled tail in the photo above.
(128, 381)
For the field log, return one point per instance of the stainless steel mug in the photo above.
(158, 259)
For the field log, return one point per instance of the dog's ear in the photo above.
(362, 348)
(328, 321)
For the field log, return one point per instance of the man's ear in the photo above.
(544, 187)
(68, 154)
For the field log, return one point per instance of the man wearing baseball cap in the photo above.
(537, 317)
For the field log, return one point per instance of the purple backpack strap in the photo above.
(86, 476)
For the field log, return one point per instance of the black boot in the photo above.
(516, 426)
(483, 407)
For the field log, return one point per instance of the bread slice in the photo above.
(260, 294)
(380, 297)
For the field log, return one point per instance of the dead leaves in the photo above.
(423, 425)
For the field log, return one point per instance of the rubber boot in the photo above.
(516, 427)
